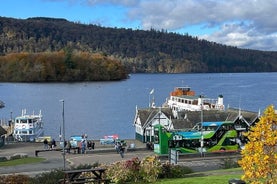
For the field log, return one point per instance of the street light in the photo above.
(63, 136)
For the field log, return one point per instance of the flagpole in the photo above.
(151, 92)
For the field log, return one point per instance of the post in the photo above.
(202, 137)
(63, 135)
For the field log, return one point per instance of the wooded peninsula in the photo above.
(44, 49)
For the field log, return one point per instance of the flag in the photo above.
(152, 91)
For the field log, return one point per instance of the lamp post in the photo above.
(63, 135)
(202, 136)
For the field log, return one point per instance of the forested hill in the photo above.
(138, 50)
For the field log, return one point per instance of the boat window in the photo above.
(24, 132)
(30, 132)
(24, 121)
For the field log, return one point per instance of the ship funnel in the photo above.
(220, 100)
(200, 100)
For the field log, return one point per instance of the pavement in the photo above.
(102, 154)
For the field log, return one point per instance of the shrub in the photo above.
(18, 156)
(48, 177)
(150, 169)
(15, 179)
(134, 170)
(174, 171)
(2, 159)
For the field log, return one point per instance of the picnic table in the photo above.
(94, 175)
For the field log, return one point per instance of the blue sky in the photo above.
(250, 24)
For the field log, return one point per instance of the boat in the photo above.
(27, 128)
(183, 98)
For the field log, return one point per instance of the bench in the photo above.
(57, 149)
(74, 176)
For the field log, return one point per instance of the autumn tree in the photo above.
(259, 158)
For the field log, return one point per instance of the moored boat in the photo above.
(28, 127)
(183, 98)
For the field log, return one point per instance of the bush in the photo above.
(47, 177)
(2, 159)
(150, 169)
(134, 170)
(16, 179)
(174, 171)
(18, 156)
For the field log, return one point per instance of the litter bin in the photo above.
(236, 181)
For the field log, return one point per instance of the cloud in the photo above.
(241, 23)
(256, 28)
(243, 36)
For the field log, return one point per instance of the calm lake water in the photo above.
(106, 108)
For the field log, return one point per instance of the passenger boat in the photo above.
(28, 127)
(183, 98)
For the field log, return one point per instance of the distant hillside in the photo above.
(139, 51)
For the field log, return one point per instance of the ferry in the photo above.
(28, 127)
(183, 98)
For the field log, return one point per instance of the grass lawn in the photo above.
(28, 160)
(211, 177)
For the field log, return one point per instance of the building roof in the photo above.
(148, 114)
(187, 119)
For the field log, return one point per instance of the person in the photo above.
(92, 145)
(83, 144)
(68, 147)
(116, 146)
(45, 142)
(89, 145)
(53, 143)
(121, 150)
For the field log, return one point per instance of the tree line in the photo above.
(62, 66)
(138, 50)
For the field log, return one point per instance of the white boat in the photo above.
(183, 98)
(28, 127)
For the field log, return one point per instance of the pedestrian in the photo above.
(93, 145)
(116, 146)
(89, 145)
(68, 147)
(53, 144)
(121, 150)
(83, 145)
(45, 142)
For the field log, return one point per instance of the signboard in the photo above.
(173, 156)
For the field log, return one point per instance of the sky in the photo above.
(250, 24)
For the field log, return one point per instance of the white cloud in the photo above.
(242, 23)
(257, 30)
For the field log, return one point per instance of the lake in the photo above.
(105, 108)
